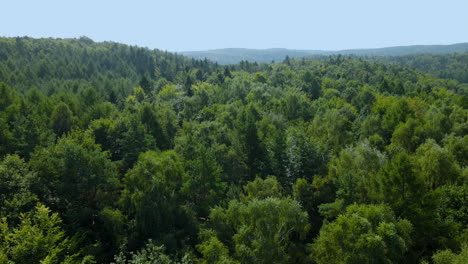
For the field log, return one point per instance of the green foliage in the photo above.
(75, 174)
(454, 203)
(262, 189)
(448, 257)
(6, 137)
(364, 234)
(436, 165)
(264, 230)
(305, 156)
(38, 239)
(399, 185)
(315, 197)
(78, 180)
(354, 172)
(458, 146)
(150, 254)
(62, 119)
(202, 185)
(246, 163)
(262, 227)
(213, 250)
(16, 182)
(150, 198)
(129, 139)
(160, 122)
(258, 77)
(7, 96)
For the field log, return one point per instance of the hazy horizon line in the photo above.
(244, 48)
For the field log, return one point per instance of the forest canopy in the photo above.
(112, 153)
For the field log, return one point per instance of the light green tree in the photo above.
(263, 229)
(449, 257)
(149, 254)
(38, 239)
(436, 165)
(364, 234)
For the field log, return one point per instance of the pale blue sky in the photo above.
(182, 25)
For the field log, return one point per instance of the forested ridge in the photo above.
(449, 66)
(236, 55)
(119, 154)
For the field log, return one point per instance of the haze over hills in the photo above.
(235, 55)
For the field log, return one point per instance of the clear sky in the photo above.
(183, 25)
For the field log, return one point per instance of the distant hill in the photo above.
(407, 50)
(232, 56)
(81, 63)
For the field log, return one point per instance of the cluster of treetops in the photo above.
(118, 154)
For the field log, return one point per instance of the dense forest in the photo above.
(448, 66)
(118, 154)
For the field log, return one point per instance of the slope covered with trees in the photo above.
(448, 66)
(118, 154)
